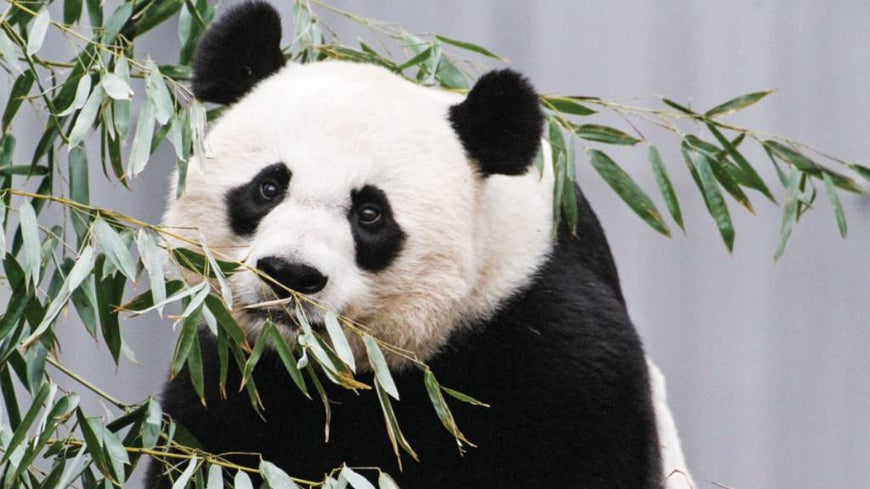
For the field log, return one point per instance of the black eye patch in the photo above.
(377, 236)
(249, 203)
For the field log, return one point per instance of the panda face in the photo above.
(383, 201)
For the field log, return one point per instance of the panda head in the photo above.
(410, 210)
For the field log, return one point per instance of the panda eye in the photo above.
(369, 214)
(270, 190)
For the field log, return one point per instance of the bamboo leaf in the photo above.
(9, 52)
(72, 11)
(215, 477)
(114, 248)
(754, 179)
(433, 389)
(83, 89)
(860, 170)
(386, 482)
(189, 329)
(628, 190)
(150, 430)
(789, 212)
(793, 157)
(713, 197)
(736, 104)
(469, 47)
(286, 356)
(356, 480)
(836, 205)
(17, 94)
(30, 235)
(566, 105)
(679, 107)
(379, 365)
(185, 476)
(159, 95)
(665, 186)
(339, 340)
(242, 481)
(152, 260)
(604, 134)
(275, 477)
(140, 151)
(115, 86)
(26, 423)
(86, 116)
(394, 433)
(38, 29)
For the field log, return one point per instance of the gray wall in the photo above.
(768, 375)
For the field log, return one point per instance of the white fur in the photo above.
(677, 475)
(339, 126)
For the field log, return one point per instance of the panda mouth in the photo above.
(284, 314)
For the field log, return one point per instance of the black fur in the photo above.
(500, 123)
(560, 365)
(377, 244)
(240, 49)
(246, 206)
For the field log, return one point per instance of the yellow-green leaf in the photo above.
(604, 134)
(628, 190)
(736, 104)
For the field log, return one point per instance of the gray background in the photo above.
(767, 366)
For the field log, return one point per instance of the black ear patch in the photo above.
(500, 123)
(241, 48)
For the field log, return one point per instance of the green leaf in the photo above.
(386, 482)
(754, 180)
(26, 423)
(86, 116)
(115, 248)
(188, 336)
(280, 345)
(836, 204)
(416, 60)
(38, 29)
(604, 134)
(394, 433)
(83, 89)
(736, 104)
(159, 95)
(789, 212)
(713, 197)
(860, 170)
(150, 430)
(115, 86)
(433, 389)
(116, 22)
(339, 340)
(30, 235)
(19, 92)
(79, 189)
(9, 52)
(468, 47)
(793, 157)
(200, 264)
(566, 105)
(152, 259)
(275, 477)
(145, 301)
(356, 480)
(72, 11)
(185, 476)
(140, 151)
(226, 320)
(379, 365)
(628, 190)
(665, 186)
(253, 358)
(681, 108)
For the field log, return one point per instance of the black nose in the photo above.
(296, 276)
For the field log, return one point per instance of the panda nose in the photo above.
(296, 276)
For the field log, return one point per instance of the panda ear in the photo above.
(500, 123)
(241, 48)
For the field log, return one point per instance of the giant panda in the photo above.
(419, 214)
